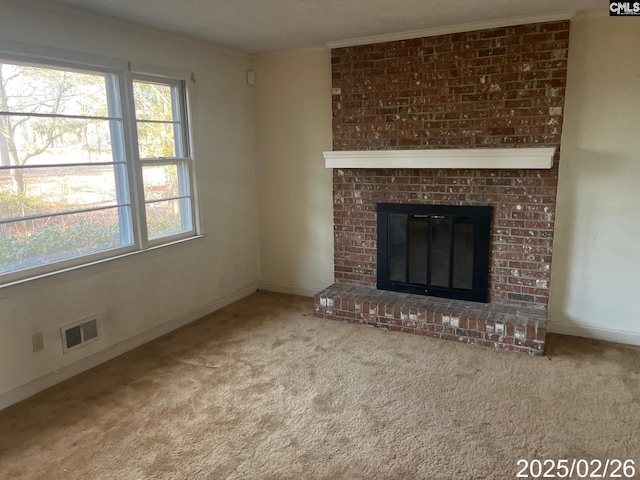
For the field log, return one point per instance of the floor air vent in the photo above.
(80, 333)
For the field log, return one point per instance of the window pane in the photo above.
(56, 190)
(163, 181)
(168, 217)
(156, 140)
(31, 89)
(154, 101)
(46, 141)
(31, 243)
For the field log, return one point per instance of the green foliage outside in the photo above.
(65, 237)
(22, 245)
(52, 244)
(13, 205)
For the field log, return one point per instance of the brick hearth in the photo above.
(498, 326)
(502, 87)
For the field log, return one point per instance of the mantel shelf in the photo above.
(467, 158)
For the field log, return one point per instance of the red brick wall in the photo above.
(492, 88)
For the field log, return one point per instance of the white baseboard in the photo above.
(290, 289)
(57, 376)
(618, 336)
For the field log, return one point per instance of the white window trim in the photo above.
(183, 80)
(123, 71)
(189, 81)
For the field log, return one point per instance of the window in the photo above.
(164, 156)
(95, 162)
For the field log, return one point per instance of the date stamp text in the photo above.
(576, 468)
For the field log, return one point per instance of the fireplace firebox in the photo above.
(435, 250)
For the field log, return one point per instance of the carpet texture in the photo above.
(264, 390)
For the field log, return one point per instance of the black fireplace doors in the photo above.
(438, 250)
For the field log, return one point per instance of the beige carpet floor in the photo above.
(264, 390)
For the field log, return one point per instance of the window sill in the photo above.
(91, 268)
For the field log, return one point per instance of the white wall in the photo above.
(595, 278)
(292, 108)
(174, 284)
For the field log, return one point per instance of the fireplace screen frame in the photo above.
(480, 217)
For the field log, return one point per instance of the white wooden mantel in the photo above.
(468, 158)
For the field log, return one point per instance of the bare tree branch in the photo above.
(41, 149)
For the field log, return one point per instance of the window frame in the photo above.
(180, 81)
(124, 74)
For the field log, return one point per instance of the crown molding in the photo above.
(466, 158)
(445, 30)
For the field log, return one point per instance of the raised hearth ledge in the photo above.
(503, 327)
(468, 158)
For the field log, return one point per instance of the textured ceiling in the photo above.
(268, 25)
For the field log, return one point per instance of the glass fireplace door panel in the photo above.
(440, 251)
(397, 253)
(418, 247)
(464, 232)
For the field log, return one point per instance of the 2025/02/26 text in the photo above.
(576, 468)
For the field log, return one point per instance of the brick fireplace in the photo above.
(499, 88)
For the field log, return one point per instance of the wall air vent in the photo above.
(80, 333)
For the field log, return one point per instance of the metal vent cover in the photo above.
(78, 334)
